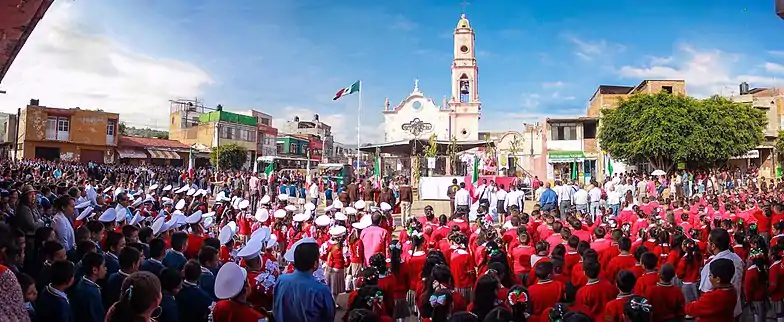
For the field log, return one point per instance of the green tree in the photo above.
(780, 141)
(122, 128)
(663, 129)
(231, 157)
(515, 147)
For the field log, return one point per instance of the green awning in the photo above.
(565, 156)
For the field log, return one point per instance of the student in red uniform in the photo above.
(518, 301)
(637, 309)
(386, 281)
(665, 297)
(231, 288)
(688, 269)
(462, 267)
(399, 270)
(371, 298)
(613, 311)
(546, 292)
(755, 283)
(623, 261)
(597, 292)
(717, 305)
(650, 276)
(572, 256)
(440, 282)
(485, 297)
(441, 306)
(578, 274)
(776, 281)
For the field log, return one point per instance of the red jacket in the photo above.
(717, 305)
(667, 302)
(595, 296)
(543, 295)
(754, 285)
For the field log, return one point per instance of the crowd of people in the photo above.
(97, 243)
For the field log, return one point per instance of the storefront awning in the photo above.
(163, 154)
(565, 156)
(130, 153)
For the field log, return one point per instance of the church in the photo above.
(418, 117)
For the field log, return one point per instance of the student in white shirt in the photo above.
(462, 199)
(500, 196)
(61, 223)
(580, 200)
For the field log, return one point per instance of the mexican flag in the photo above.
(268, 170)
(353, 88)
(191, 170)
(377, 168)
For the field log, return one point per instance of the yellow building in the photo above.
(192, 123)
(69, 134)
(609, 96)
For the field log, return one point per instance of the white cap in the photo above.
(182, 189)
(167, 201)
(137, 202)
(137, 218)
(385, 206)
(160, 226)
(225, 235)
(289, 255)
(360, 225)
(194, 218)
(301, 217)
(262, 214)
(290, 208)
(323, 220)
(149, 198)
(207, 222)
(230, 281)
(251, 250)
(283, 197)
(310, 206)
(87, 211)
(261, 234)
(359, 204)
(280, 213)
(167, 188)
(82, 205)
(337, 204)
(197, 192)
(340, 216)
(108, 216)
(153, 187)
(265, 200)
(244, 204)
(350, 211)
(208, 214)
(221, 197)
(233, 226)
(337, 230)
(328, 208)
(366, 219)
(107, 189)
(180, 204)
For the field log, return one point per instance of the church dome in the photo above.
(463, 22)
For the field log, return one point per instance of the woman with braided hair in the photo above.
(369, 298)
(140, 299)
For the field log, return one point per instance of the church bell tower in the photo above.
(464, 103)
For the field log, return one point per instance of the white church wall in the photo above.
(421, 108)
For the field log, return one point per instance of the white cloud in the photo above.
(590, 50)
(706, 72)
(65, 65)
(400, 22)
(556, 84)
(774, 68)
(344, 127)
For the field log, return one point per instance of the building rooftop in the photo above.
(17, 21)
(140, 142)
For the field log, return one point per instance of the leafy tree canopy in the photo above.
(232, 157)
(663, 129)
(142, 132)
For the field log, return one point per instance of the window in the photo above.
(293, 148)
(667, 89)
(265, 121)
(110, 127)
(589, 130)
(561, 131)
(279, 146)
(63, 124)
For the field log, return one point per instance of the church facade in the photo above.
(418, 117)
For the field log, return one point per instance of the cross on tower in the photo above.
(465, 4)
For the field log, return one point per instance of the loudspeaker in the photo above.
(780, 8)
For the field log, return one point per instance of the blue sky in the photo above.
(286, 58)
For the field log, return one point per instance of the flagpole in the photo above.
(359, 119)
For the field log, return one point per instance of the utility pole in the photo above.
(16, 133)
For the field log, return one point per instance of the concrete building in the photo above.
(314, 127)
(8, 135)
(71, 134)
(266, 135)
(342, 153)
(516, 151)
(609, 96)
(194, 124)
(572, 150)
(771, 101)
(138, 150)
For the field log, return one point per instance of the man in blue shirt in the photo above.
(549, 199)
(298, 296)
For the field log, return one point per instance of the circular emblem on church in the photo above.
(417, 105)
(464, 48)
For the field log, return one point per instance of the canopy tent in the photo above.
(414, 146)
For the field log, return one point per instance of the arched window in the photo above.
(464, 89)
